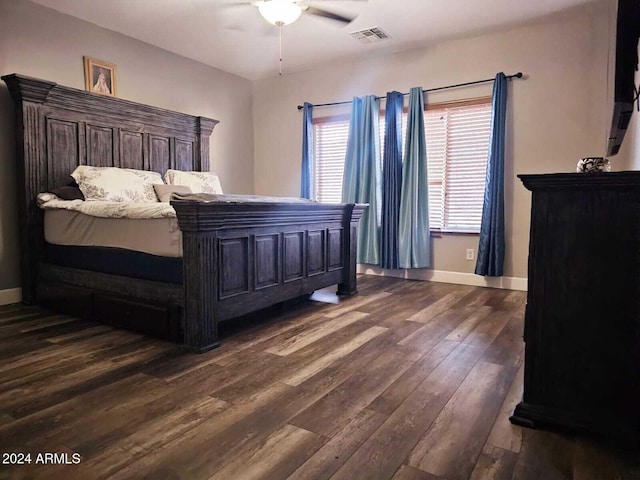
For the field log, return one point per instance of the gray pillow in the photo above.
(163, 192)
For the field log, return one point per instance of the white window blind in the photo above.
(457, 149)
(330, 149)
(435, 127)
(457, 146)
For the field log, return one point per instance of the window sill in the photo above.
(443, 233)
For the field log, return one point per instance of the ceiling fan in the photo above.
(285, 12)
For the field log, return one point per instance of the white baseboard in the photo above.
(509, 283)
(11, 295)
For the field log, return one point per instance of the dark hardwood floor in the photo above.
(407, 380)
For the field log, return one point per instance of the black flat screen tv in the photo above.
(626, 58)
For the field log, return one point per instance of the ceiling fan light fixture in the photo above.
(279, 12)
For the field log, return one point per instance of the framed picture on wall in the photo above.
(99, 76)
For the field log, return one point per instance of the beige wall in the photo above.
(555, 116)
(45, 44)
(629, 154)
(631, 145)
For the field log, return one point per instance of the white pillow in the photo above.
(113, 184)
(198, 182)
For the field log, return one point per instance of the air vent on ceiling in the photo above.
(370, 35)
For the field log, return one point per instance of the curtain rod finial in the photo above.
(300, 107)
(519, 75)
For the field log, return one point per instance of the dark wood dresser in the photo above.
(582, 324)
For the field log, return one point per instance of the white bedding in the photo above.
(233, 198)
(96, 208)
(103, 209)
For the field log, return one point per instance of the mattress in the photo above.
(155, 236)
(146, 227)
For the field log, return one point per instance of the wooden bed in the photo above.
(237, 258)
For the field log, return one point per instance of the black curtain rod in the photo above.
(516, 75)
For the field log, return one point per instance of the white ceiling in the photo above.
(232, 36)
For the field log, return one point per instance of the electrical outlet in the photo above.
(470, 253)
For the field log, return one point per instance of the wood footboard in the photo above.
(239, 258)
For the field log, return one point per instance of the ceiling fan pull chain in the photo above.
(280, 42)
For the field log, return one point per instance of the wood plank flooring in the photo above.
(407, 380)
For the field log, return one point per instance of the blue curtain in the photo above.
(414, 245)
(391, 180)
(491, 248)
(360, 183)
(307, 150)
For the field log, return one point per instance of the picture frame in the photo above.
(100, 77)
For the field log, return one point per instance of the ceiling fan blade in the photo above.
(326, 14)
(226, 5)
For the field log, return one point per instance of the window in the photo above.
(457, 136)
(330, 148)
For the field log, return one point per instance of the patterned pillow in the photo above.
(198, 182)
(113, 184)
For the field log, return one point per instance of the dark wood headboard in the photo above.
(59, 128)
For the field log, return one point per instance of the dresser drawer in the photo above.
(75, 301)
(157, 320)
